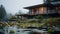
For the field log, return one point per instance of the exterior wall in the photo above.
(58, 9)
(32, 11)
(43, 10)
(40, 10)
(35, 11)
(51, 10)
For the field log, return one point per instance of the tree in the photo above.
(51, 0)
(2, 12)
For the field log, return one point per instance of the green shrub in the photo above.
(51, 21)
(11, 31)
(50, 30)
(32, 21)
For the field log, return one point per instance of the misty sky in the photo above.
(13, 6)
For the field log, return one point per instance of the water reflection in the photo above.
(23, 32)
(36, 31)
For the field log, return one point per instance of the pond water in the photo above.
(26, 32)
(22, 31)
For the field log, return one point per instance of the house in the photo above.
(46, 10)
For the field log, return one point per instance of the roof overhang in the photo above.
(42, 5)
(34, 6)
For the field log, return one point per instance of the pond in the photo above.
(26, 32)
(22, 31)
(29, 31)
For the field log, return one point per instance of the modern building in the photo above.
(47, 9)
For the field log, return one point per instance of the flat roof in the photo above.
(34, 6)
(41, 5)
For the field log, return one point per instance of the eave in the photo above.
(34, 6)
(42, 5)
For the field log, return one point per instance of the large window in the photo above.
(51, 10)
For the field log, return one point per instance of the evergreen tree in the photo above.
(51, 0)
(2, 12)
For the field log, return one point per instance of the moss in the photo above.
(50, 30)
(11, 31)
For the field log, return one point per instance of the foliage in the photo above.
(52, 0)
(11, 31)
(50, 30)
(52, 21)
(32, 21)
(2, 12)
(13, 17)
(39, 17)
(2, 24)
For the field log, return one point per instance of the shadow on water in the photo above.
(56, 32)
(1, 33)
(34, 33)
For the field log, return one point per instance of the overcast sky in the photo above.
(13, 6)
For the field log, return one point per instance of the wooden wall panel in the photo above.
(42, 10)
(58, 9)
